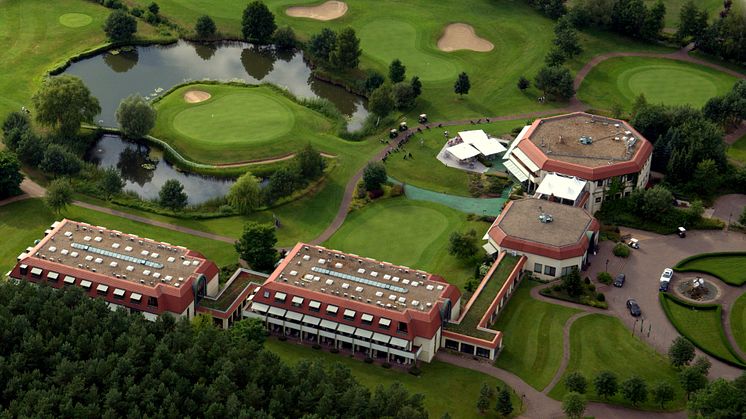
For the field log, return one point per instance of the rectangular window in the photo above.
(402, 328)
(266, 294)
(550, 271)
(537, 267)
(598, 199)
(153, 301)
(600, 183)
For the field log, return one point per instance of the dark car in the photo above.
(634, 308)
(619, 281)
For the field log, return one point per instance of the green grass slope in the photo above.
(738, 321)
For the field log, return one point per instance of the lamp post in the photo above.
(607, 266)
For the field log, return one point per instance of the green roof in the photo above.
(232, 291)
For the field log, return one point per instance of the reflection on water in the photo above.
(145, 69)
(129, 157)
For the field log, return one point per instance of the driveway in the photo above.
(643, 269)
(729, 207)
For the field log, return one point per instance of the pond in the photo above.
(129, 157)
(150, 70)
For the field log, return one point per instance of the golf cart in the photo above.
(403, 126)
(681, 232)
(423, 118)
(633, 243)
(393, 133)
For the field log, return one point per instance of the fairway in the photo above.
(602, 343)
(406, 232)
(236, 123)
(620, 80)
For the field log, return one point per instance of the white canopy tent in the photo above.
(479, 140)
(463, 151)
(561, 187)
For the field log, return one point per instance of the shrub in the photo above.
(587, 281)
(375, 193)
(386, 365)
(397, 190)
(284, 38)
(415, 371)
(604, 278)
(621, 250)
(600, 297)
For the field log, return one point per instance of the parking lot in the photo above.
(643, 269)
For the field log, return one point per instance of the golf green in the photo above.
(620, 80)
(75, 20)
(237, 123)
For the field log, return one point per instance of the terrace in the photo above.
(233, 290)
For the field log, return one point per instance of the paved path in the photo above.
(729, 207)
(565, 351)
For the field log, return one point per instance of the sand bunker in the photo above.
(462, 36)
(196, 96)
(325, 11)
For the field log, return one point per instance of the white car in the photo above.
(665, 279)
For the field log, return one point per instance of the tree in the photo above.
(59, 195)
(689, 21)
(322, 44)
(16, 120)
(404, 97)
(374, 175)
(381, 101)
(627, 17)
(310, 163)
(555, 57)
(245, 195)
(523, 83)
(662, 392)
(575, 381)
(572, 283)
(463, 245)
(10, 174)
(462, 85)
(258, 23)
(692, 379)
(120, 26)
(135, 116)
(397, 71)
(719, 399)
(58, 161)
(31, 149)
(248, 331)
(681, 352)
(653, 203)
(654, 21)
(172, 195)
(605, 384)
(640, 102)
(703, 364)
(573, 404)
(483, 403)
(706, 179)
(64, 102)
(635, 390)
(556, 82)
(416, 86)
(373, 81)
(257, 246)
(154, 8)
(282, 183)
(566, 38)
(205, 27)
(346, 54)
(504, 405)
(284, 38)
(110, 182)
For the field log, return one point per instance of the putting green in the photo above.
(75, 20)
(237, 123)
(621, 80)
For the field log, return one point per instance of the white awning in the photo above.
(489, 248)
(366, 317)
(313, 321)
(85, 284)
(118, 292)
(52, 275)
(102, 288)
(520, 155)
(135, 296)
(69, 279)
(332, 309)
(401, 343)
(362, 333)
(314, 304)
(479, 140)
(343, 328)
(516, 171)
(561, 186)
(297, 300)
(291, 315)
(463, 151)
(276, 311)
(380, 337)
(516, 141)
(384, 322)
(326, 324)
(259, 307)
(349, 313)
(280, 296)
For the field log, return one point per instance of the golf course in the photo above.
(618, 81)
(237, 123)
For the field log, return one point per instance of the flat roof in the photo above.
(559, 138)
(520, 220)
(364, 280)
(72, 244)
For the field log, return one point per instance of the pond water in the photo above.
(143, 70)
(129, 157)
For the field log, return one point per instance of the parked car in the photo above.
(665, 279)
(633, 307)
(619, 281)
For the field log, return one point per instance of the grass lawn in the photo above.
(446, 388)
(621, 80)
(532, 336)
(703, 327)
(410, 233)
(599, 343)
(237, 123)
(426, 171)
(468, 325)
(731, 268)
(737, 151)
(23, 222)
(390, 29)
(738, 321)
(37, 35)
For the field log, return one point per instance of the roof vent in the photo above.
(544, 217)
(585, 140)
